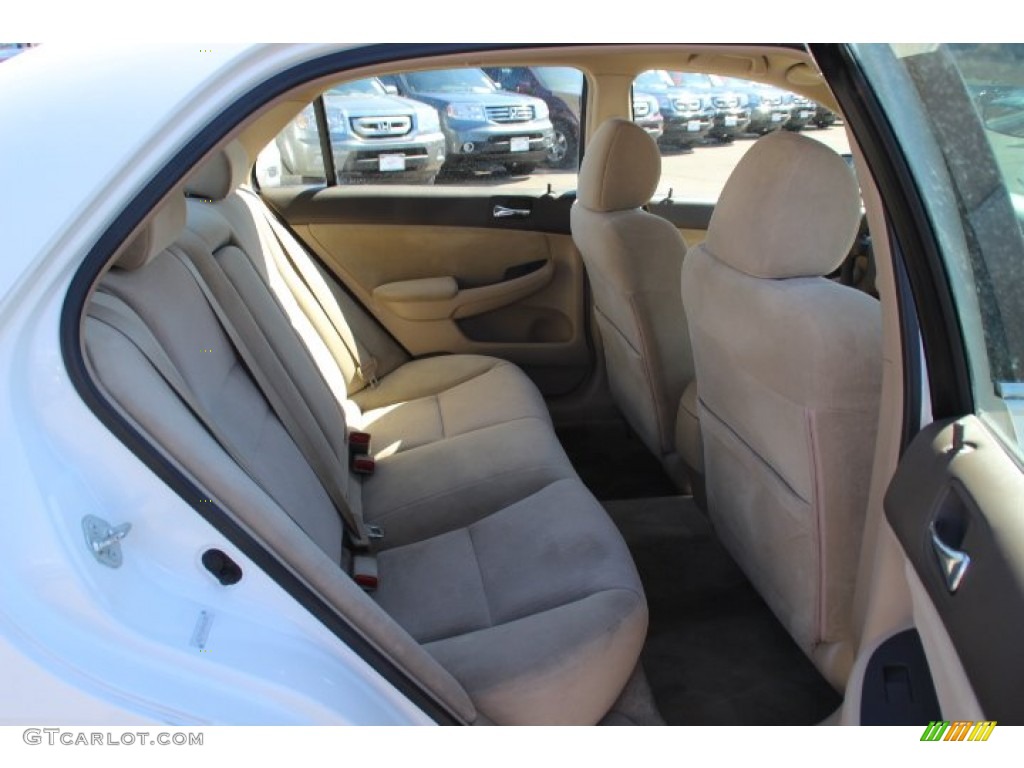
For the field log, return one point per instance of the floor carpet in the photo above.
(612, 462)
(715, 653)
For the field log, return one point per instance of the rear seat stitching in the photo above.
(440, 416)
(611, 590)
(452, 489)
(480, 572)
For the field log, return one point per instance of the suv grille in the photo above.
(516, 113)
(376, 127)
(727, 102)
(687, 105)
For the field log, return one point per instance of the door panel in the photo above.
(445, 274)
(956, 504)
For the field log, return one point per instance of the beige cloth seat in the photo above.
(412, 402)
(634, 260)
(517, 601)
(789, 374)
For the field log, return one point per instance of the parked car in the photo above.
(560, 89)
(732, 113)
(647, 114)
(483, 125)
(373, 134)
(687, 116)
(824, 117)
(179, 547)
(802, 114)
(769, 107)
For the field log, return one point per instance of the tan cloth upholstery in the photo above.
(634, 262)
(505, 586)
(789, 377)
(157, 235)
(621, 168)
(761, 223)
(221, 174)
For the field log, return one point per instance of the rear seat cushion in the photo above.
(445, 485)
(537, 610)
(439, 397)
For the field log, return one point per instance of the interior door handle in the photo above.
(952, 562)
(501, 212)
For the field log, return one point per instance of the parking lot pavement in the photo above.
(695, 175)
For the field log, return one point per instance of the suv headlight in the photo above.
(337, 121)
(540, 110)
(466, 112)
(429, 120)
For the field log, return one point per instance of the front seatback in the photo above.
(789, 375)
(633, 261)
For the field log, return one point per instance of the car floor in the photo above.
(715, 654)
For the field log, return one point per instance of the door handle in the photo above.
(952, 562)
(501, 212)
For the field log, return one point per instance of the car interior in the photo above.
(614, 462)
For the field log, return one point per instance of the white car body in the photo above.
(83, 643)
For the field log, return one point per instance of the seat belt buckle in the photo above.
(359, 443)
(362, 465)
(368, 372)
(364, 572)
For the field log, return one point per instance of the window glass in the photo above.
(959, 110)
(708, 122)
(493, 128)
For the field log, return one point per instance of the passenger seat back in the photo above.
(633, 261)
(789, 378)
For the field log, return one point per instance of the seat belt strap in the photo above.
(116, 314)
(303, 266)
(278, 388)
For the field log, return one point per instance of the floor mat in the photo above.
(612, 461)
(715, 653)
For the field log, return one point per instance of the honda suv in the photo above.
(374, 136)
(483, 125)
(687, 116)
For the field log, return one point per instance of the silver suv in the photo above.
(375, 135)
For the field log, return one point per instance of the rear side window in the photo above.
(497, 129)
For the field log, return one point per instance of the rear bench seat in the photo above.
(503, 583)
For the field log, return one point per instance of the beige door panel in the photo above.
(441, 289)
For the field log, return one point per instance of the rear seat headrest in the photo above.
(159, 233)
(621, 168)
(791, 208)
(220, 174)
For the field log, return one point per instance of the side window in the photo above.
(706, 123)
(961, 116)
(497, 127)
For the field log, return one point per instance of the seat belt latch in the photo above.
(363, 465)
(364, 572)
(359, 443)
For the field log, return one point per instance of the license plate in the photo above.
(730, 122)
(804, 115)
(693, 126)
(520, 144)
(777, 118)
(392, 162)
